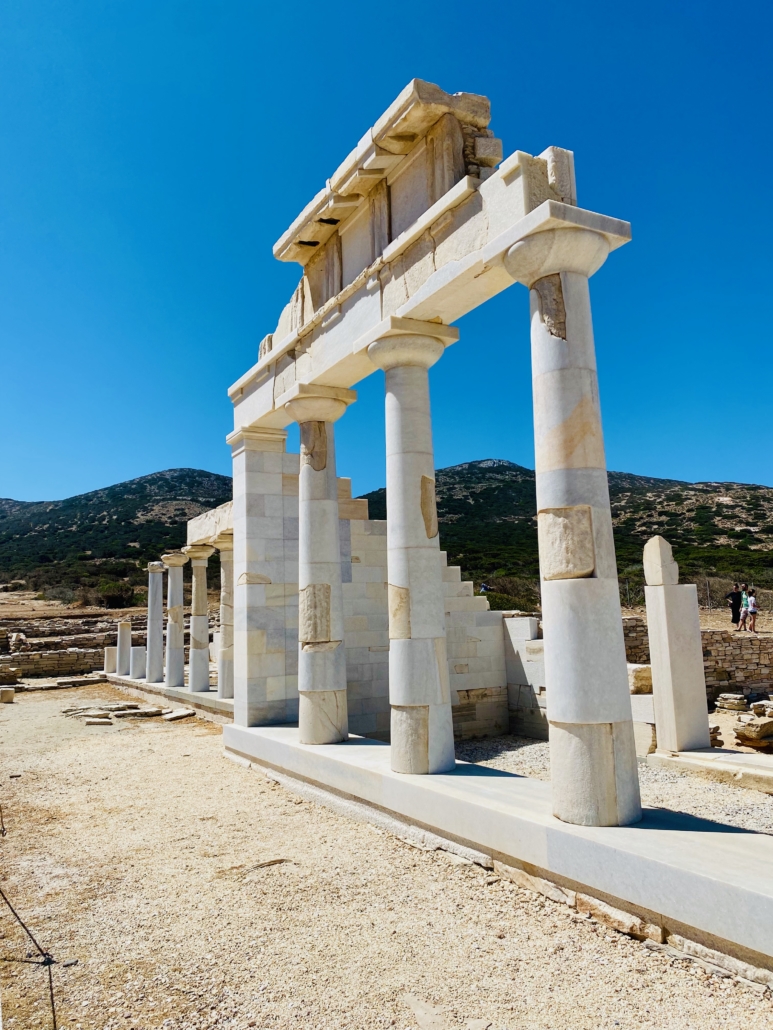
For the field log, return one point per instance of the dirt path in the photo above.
(141, 852)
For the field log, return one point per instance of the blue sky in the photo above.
(152, 152)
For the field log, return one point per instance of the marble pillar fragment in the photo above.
(592, 752)
(322, 706)
(175, 621)
(137, 662)
(155, 640)
(110, 659)
(198, 654)
(123, 652)
(225, 654)
(422, 736)
(676, 653)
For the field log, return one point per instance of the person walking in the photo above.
(743, 615)
(734, 601)
(753, 609)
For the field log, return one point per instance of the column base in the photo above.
(225, 676)
(594, 775)
(198, 671)
(422, 739)
(322, 717)
(175, 667)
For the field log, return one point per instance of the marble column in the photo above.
(422, 735)
(676, 653)
(155, 645)
(198, 660)
(111, 654)
(592, 752)
(322, 708)
(175, 622)
(225, 656)
(123, 653)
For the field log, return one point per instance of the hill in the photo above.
(486, 511)
(105, 535)
(487, 516)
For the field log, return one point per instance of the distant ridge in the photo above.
(486, 511)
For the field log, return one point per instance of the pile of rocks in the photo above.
(715, 732)
(103, 714)
(763, 708)
(731, 703)
(754, 731)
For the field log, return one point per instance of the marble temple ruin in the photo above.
(349, 654)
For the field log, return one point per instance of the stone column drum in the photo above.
(676, 653)
(123, 653)
(592, 752)
(322, 709)
(175, 623)
(422, 735)
(155, 644)
(225, 656)
(198, 659)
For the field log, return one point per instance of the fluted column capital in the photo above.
(307, 402)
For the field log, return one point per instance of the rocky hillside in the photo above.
(487, 524)
(105, 534)
(487, 515)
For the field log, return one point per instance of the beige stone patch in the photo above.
(314, 613)
(399, 599)
(314, 445)
(410, 739)
(566, 549)
(429, 506)
(551, 304)
(577, 442)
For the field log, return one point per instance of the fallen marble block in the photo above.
(179, 713)
(7, 695)
(99, 722)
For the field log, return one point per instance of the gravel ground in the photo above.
(141, 852)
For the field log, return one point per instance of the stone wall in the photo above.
(731, 661)
(54, 663)
(637, 645)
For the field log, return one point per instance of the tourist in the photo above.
(744, 613)
(484, 588)
(753, 609)
(734, 600)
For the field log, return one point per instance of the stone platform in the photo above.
(205, 702)
(708, 882)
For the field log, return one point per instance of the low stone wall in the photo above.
(733, 661)
(637, 645)
(54, 663)
(481, 712)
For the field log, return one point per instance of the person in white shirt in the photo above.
(753, 609)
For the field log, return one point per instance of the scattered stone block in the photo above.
(535, 884)
(179, 713)
(639, 678)
(615, 918)
(7, 695)
(99, 722)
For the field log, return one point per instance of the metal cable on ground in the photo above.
(46, 958)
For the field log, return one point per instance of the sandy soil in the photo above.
(141, 852)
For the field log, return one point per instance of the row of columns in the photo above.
(593, 761)
(169, 667)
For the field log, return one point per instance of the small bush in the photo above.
(116, 594)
